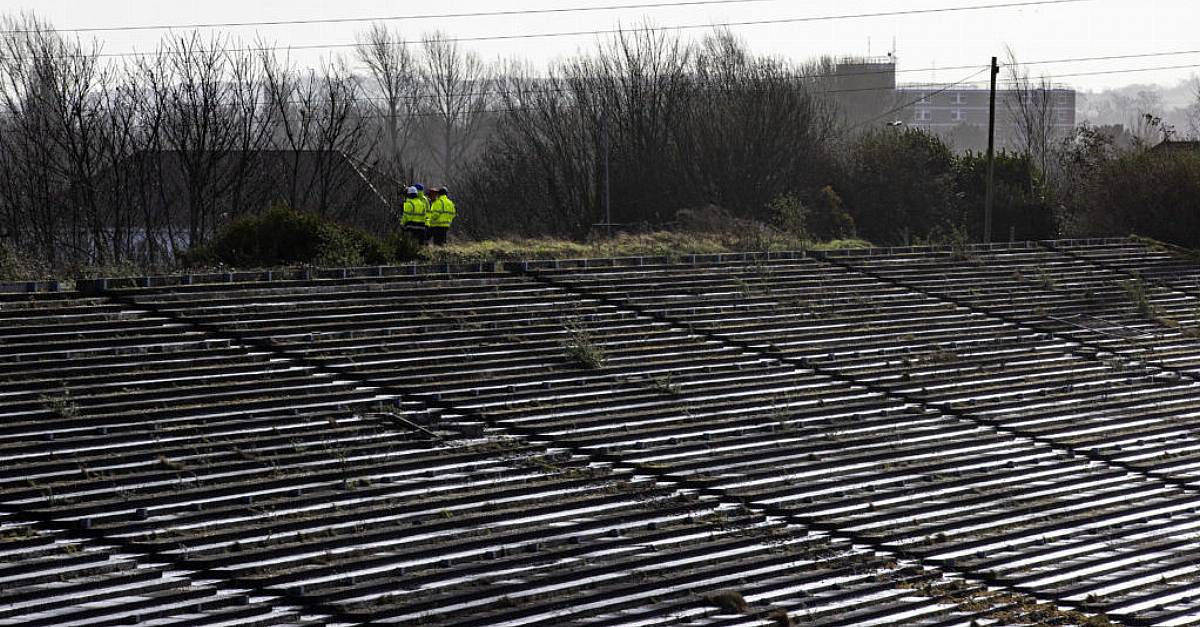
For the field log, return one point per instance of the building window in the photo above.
(924, 115)
(957, 115)
(959, 98)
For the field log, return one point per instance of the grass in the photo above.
(1138, 295)
(15, 267)
(61, 404)
(665, 385)
(582, 348)
(670, 244)
(655, 244)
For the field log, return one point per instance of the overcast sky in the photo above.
(1086, 29)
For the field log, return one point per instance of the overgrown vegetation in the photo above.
(823, 217)
(581, 346)
(16, 267)
(282, 236)
(654, 243)
(61, 404)
(1135, 290)
(1146, 192)
(900, 185)
(728, 601)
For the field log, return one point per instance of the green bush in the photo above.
(16, 267)
(1020, 205)
(790, 215)
(1149, 193)
(283, 236)
(900, 185)
(828, 218)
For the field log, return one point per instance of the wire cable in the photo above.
(1124, 71)
(385, 18)
(641, 29)
(916, 100)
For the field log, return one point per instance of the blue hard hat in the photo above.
(420, 187)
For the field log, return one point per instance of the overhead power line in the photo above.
(1112, 57)
(646, 29)
(940, 87)
(1142, 55)
(1126, 71)
(953, 67)
(546, 89)
(389, 18)
(967, 80)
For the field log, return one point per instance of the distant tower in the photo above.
(864, 87)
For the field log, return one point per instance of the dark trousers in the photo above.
(438, 234)
(417, 231)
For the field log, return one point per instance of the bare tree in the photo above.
(395, 75)
(1192, 112)
(458, 86)
(206, 97)
(28, 178)
(687, 126)
(131, 181)
(322, 133)
(1142, 119)
(752, 128)
(553, 129)
(1031, 110)
(55, 91)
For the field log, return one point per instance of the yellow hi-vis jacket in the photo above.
(442, 212)
(425, 203)
(415, 210)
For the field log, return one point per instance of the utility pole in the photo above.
(988, 198)
(607, 200)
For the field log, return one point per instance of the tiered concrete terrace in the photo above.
(993, 436)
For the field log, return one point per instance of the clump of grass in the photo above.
(665, 385)
(61, 404)
(959, 251)
(1045, 281)
(582, 348)
(17, 533)
(938, 357)
(730, 601)
(1135, 289)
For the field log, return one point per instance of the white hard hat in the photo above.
(411, 191)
